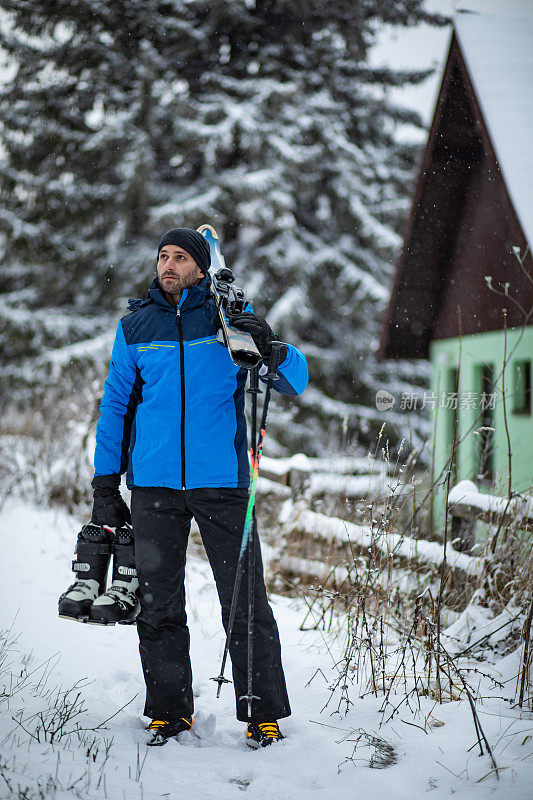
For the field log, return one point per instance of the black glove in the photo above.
(108, 506)
(260, 331)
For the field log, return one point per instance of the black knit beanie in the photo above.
(192, 242)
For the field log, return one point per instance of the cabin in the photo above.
(462, 295)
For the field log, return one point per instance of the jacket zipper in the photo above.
(182, 370)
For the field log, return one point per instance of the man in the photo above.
(173, 414)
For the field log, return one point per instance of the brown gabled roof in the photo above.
(462, 227)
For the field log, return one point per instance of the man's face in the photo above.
(176, 269)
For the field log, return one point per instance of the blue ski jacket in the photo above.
(172, 413)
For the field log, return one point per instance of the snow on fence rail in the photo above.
(335, 466)
(355, 478)
(322, 532)
(298, 519)
(465, 501)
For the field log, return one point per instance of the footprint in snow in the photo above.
(242, 783)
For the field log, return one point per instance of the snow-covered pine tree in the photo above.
(85, 134)
(84, 141)
(261, 116)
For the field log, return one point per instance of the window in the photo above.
(486, 390)
(452, 404)
(522, 387)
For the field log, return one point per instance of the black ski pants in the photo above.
(161, 522)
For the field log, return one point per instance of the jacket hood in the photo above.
(134, 304)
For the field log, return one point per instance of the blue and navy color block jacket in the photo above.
(172, 413)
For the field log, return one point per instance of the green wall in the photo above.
(479, 361)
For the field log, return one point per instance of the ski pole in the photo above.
(250, 696)
(248, 522)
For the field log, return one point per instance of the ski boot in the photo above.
(263, 734)
(93, 553)
(162, 730)
(119, 603)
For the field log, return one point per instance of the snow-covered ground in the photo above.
(111, 760)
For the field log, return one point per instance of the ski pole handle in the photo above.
(274, 360)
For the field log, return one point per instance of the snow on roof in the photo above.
(498, 50)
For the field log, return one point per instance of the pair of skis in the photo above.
(229, 299)
(244, 353)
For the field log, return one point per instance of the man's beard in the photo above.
(179, 283)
